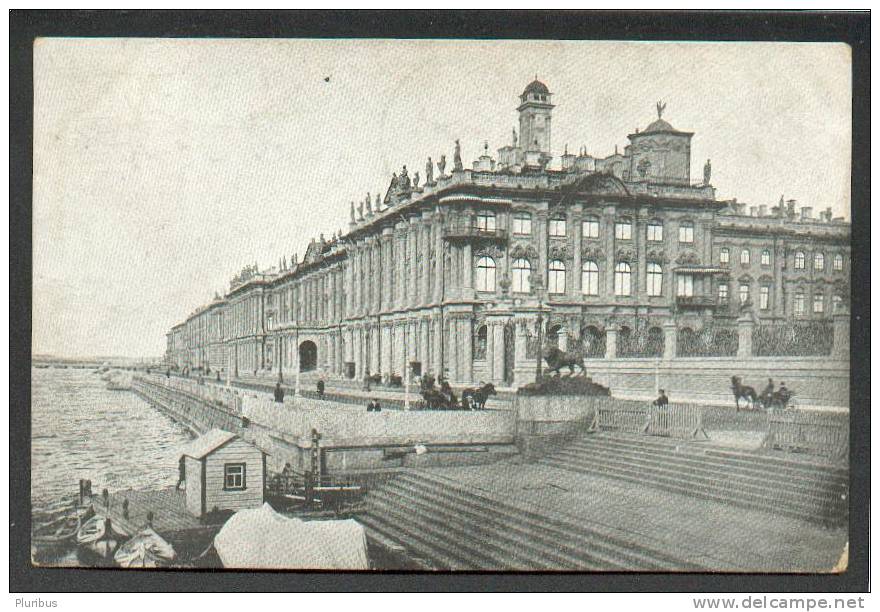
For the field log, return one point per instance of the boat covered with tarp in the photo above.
(263, 538)
(145, 549)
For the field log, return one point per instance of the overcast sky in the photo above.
(164, 166)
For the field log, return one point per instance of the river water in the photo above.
(80, 429)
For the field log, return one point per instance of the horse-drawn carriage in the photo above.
(444, 398)
(770, 399)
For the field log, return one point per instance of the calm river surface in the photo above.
(82, 430)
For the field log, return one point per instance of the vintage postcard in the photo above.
(441, 305)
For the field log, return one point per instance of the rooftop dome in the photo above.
(536, 87)
(660, 125)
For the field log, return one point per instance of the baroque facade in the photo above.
(450, 276)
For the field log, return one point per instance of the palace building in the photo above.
(450, 272)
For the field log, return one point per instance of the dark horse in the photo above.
(476, 398)
(741, 391)
(557, 359)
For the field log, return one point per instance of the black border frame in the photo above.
(852, 28)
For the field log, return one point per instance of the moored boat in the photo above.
(146, 549)
(99, 536)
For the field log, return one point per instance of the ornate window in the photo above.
(799, 303)
(764, 298)
(590, 278)
(836, 301)
(723, 293)
(557, 226)
(590, 227)
(819, 261)
(623, 229)
(724, 256)
(838, 262)
(485, 274)
(744, 257)
(655, 231)
(743, 293)
(686, 232)
(765, 257)
(556, 280)
(818, 303)
(522, 271)
(685, 285)
(800, 260)
(655, 279)
(622, 278)
(486, 221)
(480, 342)
(522, 224)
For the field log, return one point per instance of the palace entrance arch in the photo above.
(308, 356)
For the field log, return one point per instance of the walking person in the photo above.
(279, 393)
(320, 389)
(181, 469)
(662, 400)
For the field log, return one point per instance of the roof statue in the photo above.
(360, 211)
(661, 106)
(369, 204)
(514, 138)
(416, 180)
(457, 166)
(403, 182)
(707, 172)
(378, 201)
(429, 172)
(352, 212)
(441, 165)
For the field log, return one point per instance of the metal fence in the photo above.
(711, 341)
(793, 339)
(817, 434)
(640, 342)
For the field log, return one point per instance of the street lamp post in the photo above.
(538, 286)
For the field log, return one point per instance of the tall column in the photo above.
(490, 350)
(576, 242)
(468, 269)
(607, 231)
(467, 345)
(498, 353)
(436, 345)
(611, 341)
(439, 258)
(670, 340)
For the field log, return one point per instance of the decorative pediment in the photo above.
(601, 184)
(560, 251)
(627, 255)
(490, 251)
(523, 251)
(765, 278)
(592, 252)
(688, 258)
(745, 278)
(657, 256)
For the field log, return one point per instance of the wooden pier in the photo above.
(164, 510)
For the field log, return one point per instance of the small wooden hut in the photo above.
(223, 472)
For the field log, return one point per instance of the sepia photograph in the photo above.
(441, 305)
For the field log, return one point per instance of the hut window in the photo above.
(745, 257)
(819, 261)
(234, 476)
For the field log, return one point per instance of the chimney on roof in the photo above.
(790, 204)
(762, 210)
(806, 213)
(827, 215)
(753, 211)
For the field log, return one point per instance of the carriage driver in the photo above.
(767, 394)
(662, 401)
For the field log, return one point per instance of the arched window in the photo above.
(485, 274)
(744, 257)
(557, 226)
(590, 227)
(838, 262)
(480, 341)
(819, 261)
(623, 229)
(556, 281)
(655, 231)
(622, 277)
(818, 303)
(522, 224)
(522, 271)
(655, 279)
(743, 293)
(765, 257)
(764, 298)
(686, 232)
(486, 221)
(799, 260)
(590, 278)
(724, 256)
(723, 293)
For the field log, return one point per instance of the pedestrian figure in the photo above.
(181, 467)
(320, 389)
(662, 401)
(279, 393)
(373, 406)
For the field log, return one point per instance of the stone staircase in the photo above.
(444, 526)
(797, 489)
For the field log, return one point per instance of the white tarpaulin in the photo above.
(262, 538)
